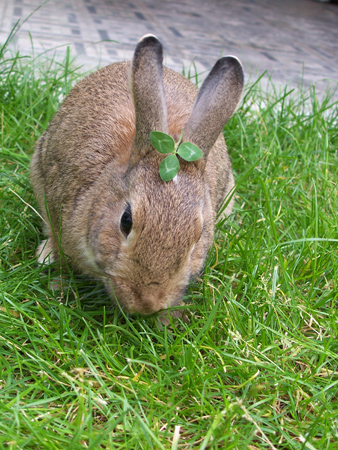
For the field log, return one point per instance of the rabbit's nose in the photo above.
(146, 304)
(143, 309)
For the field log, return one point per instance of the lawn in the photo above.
(253, 366)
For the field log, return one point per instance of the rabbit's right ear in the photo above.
(216, 102)
(148, 94)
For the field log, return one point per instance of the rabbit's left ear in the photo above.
(216, 102)
(148, 93)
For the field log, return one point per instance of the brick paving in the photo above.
(295, 40)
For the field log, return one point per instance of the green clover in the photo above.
(165, 144)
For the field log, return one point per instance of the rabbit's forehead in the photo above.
(169, 212)
(184, 191)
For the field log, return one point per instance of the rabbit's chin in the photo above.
(143, 300)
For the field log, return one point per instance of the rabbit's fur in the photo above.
(95, 165)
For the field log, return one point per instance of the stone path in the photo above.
(295, 40)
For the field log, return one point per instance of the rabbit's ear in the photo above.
(147, 92)
(216, 102)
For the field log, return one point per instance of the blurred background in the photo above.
(296, 41)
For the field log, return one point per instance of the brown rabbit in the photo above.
(98, 173)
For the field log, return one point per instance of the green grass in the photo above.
(255, 364)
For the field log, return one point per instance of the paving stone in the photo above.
(295, 41)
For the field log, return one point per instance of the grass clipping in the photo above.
(254, 367)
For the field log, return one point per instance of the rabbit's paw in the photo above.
(45, 253)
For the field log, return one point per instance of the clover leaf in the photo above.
(169, 167)
(189, 151)
(162, 142)
(165, 144)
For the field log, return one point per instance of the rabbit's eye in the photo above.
(126, 221)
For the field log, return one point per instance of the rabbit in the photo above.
(96, 177)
